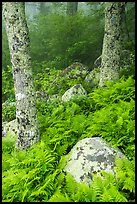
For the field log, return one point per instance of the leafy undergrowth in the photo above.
(107, 112)
(36, 174)
(108, 188)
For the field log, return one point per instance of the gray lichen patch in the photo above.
(89, 156)
(76, 90)
(9, 127)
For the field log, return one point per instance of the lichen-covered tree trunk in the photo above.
(18, 38)
(112, 42)
(72, 8)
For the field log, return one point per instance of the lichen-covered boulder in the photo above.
(54, 98)
(40, 95)
(92, 79)
(76, 90)
(9, 127)
(74, 71)
(89, 156)
(68, 77)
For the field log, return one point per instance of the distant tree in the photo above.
(124, 26)
(42, 7)
(112, 43)
(130, 19)
(18, 38)
(72, 8)
(45, 7)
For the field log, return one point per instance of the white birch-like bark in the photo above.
(18, 38)
(112, 42)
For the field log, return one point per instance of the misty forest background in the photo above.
(57, 40)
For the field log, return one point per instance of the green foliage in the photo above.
(107, 112)
(8, 112)
(8, 145)
(128, 60)
(114, 118)
(114, 92)
(116, 124)
(43, 81)
(31, 174)
(47, 41)
(126, 169)
(7, 85)
(62, 127)
(108, 188)
(52, 82)
(37, 174)
(8, 95)
(59, 39)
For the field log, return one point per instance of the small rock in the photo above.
(53, 98)
(93, 78)
(75, 70)
(42, 95)
(9, 127)
(76, 90)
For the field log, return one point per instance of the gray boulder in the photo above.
(9, 128)
(92, 79)
(76, 90)
(54, 98)
(40, 95)
(74, 71)
(89, 156)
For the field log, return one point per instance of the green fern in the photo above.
(125, 172)
(112, 194)
(59, 197)
(30, 173)
(37, 174)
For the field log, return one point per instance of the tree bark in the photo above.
(124, 28)
(72, 8)
(112, 43)
(18, 38)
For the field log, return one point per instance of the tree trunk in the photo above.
(125, 32)
(18, 38)
(44, 8)
(72, 8)
(112, 42)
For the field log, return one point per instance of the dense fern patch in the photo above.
(109, 113)
(36, 174)
(28, 175)
(103, 189)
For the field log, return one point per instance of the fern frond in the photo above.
(59, 197)
(125, 173)
(112, 195)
